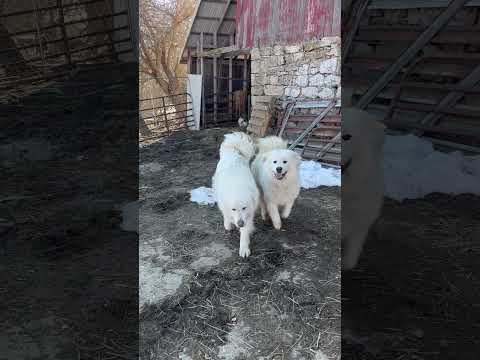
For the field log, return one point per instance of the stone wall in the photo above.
(309, 70)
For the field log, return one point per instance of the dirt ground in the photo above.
(64, 156)
(415, 292)
(199, 299)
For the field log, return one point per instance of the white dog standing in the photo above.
(235, 188)
(362, 180)
(276, 171)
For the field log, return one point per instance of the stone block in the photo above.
(310, 92)
(292, 91)
(274, 90)
(302, 80)
(290, 49)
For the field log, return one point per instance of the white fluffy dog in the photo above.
(276, 172)
(362, 180)
(235, 188)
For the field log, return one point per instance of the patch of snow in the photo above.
(184, 356)
(154, 282)
(319, 355)
(413, 169)
(283, 275)
(236, 344)
(313, 174)
(203, 196)
(211, 256)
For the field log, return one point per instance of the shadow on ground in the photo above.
(414, 294)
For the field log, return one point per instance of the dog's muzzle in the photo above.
(240, 223)
(279, 176)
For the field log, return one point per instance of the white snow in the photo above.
(312, 175)
(203, 196)
(413, 169)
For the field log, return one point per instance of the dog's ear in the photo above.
(263, 158)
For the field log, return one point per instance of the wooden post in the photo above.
(64, 32)
(165, 113)
(230, 80)
(197, 70)
(407, 55)
(215, 80)
(203, 82)
(245, 72)
(189, 62)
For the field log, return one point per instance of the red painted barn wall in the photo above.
(268, 22)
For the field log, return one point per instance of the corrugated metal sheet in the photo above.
(267, 22)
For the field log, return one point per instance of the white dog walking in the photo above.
(276, 172)
(235, 188)
(362, 180)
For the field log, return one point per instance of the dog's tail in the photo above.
(270, 143)
(240, 142)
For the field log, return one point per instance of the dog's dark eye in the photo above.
(275, 161)
(284, 161)
(244, 208)
(234, 209)
(346, 137)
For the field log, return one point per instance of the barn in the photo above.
(276, 66)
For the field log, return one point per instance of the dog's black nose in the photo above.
(279, 169)
(240, 223)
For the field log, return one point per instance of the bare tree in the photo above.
(163, 31)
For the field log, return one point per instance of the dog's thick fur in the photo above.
(278, 188)
(362, 180)
(235, 188)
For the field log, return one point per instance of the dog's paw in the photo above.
(277, 225)
(244, 252)
(285, 216)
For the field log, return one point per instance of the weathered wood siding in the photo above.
(267, 22)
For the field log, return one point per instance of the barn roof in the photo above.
(212, 16)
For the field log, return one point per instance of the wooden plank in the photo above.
(472, 112)
(314, 123)
(286, 115)
(412, 51)
(386, 34)
(357, 14)
(327, 147)
(452, 98)
(217, 51)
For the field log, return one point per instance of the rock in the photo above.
(328, 66)
(302, 80)
(292, 91)
(273, 90)
(310, 92)
(290, 49)
(316, 80)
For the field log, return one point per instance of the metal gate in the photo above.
(161, 116)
